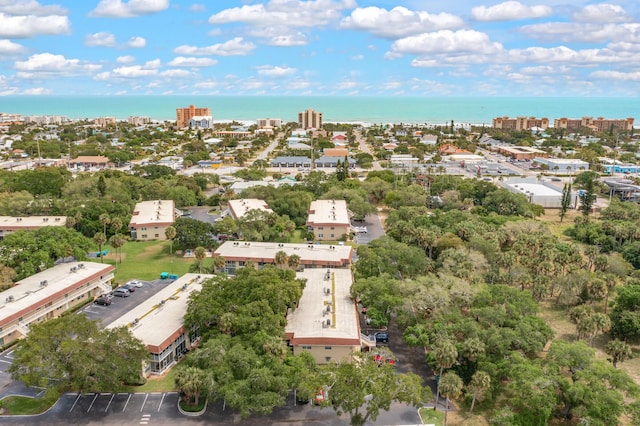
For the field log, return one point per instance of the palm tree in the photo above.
(451, 385)
(479, 384)
(446, 355)
(116, 225)
(218, 263)
(117, 241)
(192, 382)
(619, 351)
(170, 233)
(100, 239)
(281, 259)
(200, 253)
(104, 220)
(294, 262)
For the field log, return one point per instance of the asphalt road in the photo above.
(161, 408)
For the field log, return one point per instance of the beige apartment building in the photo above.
(520, 123)
(599, 124)
(329, 220)
(237, 253)
(310, 119)
(150, 220)
(168, 342)
(49, 294)
(239, 208)
(10, 224)
(326, 322)
(104, 121)
(183, 115)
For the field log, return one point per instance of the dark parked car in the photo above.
(382, 337)
(129, 287)
(102, 300)
(121, 292)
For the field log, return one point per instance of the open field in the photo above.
(145, 260)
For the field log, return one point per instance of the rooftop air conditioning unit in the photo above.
(328, 322)
(44, 283)
(10, 299)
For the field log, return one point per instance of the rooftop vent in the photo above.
(44, 283)
(10, 299)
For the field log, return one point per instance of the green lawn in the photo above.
(431, 417)
(22, 405)
(145, 260)
(165, 383)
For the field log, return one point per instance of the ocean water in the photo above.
(436, 110)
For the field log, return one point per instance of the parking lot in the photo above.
(119, 305)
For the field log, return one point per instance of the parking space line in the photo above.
(113, 395)
(144, 402)
(8, 362)
(94, 400)
(126, 403)
(74, 403)
(161, 401)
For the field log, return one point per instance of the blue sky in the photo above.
(320, 47)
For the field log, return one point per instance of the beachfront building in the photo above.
(10, 224)
(326, 323)
(521, 152)
(104, 121)
(264, 123)
(310, 119)
(545, 194)
(239, 208)
(599, 124)
(201, 122)
(138, 120)
(150, 220)
(237, 253)
(563, 165)
(329, 220)
(158, 323)
(520, 123)
(45, 119)
(183, 115)
(49, 294)
(7, 119)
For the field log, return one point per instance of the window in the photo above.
(328, 348)
(332, 236)
(306, 347)
(332, 228)
(157, 235)
(327, 359)
(320, 227)
(320, 235)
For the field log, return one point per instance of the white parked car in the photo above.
(136, 283)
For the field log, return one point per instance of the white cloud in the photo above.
(9, 48)
(279, 36)
(616, 75)
(233, 47)
(358, 57)
(182, 61)
(176, 73)
(602, 13)
(47, 63)
(568, 32)
(198, 8)
(128, 9)
(125, 59)
(399, 21)
(509, 11)
(137, 42)
(30, 7)
(275, 71)
(31, 25)
(291, 13)
(133, 71)
(36, 91)
(450, 42)
(102, 39)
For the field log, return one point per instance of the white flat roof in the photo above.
(328, 212)
(306, 322)
(43, 285)
(161, 315)
(242, 206)
(562, 160)
(536, 189)
(317, 254)
(158, 212)
(30, 222)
